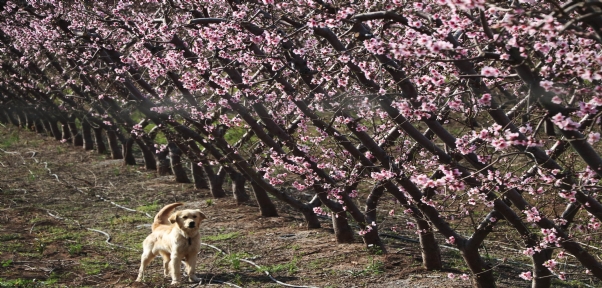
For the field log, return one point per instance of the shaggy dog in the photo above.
(175, 237)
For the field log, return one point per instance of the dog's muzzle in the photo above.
(191, 225)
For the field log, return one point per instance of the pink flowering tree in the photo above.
(468, 114)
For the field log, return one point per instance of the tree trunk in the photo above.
(75, 136)
(87, 135)
(266, 206)
(483, 274)
(128, 156)
(11, 118)
(542, 276)
(100, 144)
(431, 255)
(216, 181)
(198, 176)
(149, 156)
(54, 129)
(342, 230)
(238, 188)
(66, 137)
(311, 218)
(39, 126)
(113, 145)
(175, 155)
(163, 167)
(47, 128)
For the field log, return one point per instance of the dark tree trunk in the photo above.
(483, 274)
(47, 128)
(54, 129)
(175, 155)
(311, 218)
(39, 126)
(27, 120)
(75, 136)
(216, 181)
(3, 118)
(431, 255)
(128, 156)
(100, 144)
(11, 118)
(342, 230)
(371, 238)
(542, 277)
(149, 157)
(113, 145)
(66, 137)
(163, 167)
(198, 176)
(87, 135)
(266, 206)
(238, 188)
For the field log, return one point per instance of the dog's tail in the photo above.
(162, 218)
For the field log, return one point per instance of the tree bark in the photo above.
(198, 176)
(431, 255)
(39, 126)
(87, 135)
(75, 136)
(238, 188)
(163, 167)
(113, 145)
(54, 129)
(175, 156)
(66, 137)
(100, 144)
(128, 156)
(342, 231)
(215, 181)
(542, 276)
(266, 206)
(149, 156)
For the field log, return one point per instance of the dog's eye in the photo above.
(185, 217)
(194, 216)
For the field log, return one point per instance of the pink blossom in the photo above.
(490, 72)
(526, 275)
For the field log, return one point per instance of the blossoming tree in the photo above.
(455, 109)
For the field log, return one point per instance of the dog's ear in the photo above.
(201, 215)
(173, 217)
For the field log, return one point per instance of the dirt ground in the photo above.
(73, 218)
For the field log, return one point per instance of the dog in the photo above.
(176, 238)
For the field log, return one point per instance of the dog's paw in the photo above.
(176, 283)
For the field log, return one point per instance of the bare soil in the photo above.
(74, 218)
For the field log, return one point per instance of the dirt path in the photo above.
(61, 204)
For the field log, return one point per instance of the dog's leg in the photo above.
(174, 269)
(166, 260)
(147, 257)
(191, 267)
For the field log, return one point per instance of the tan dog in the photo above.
(175, 237)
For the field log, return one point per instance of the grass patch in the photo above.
(290, 267)
(233, 259)
(6, 263)
(10, 141)
(154, 207)
(93, 266)
(18, 283)
(9, 237)
(221, 237)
